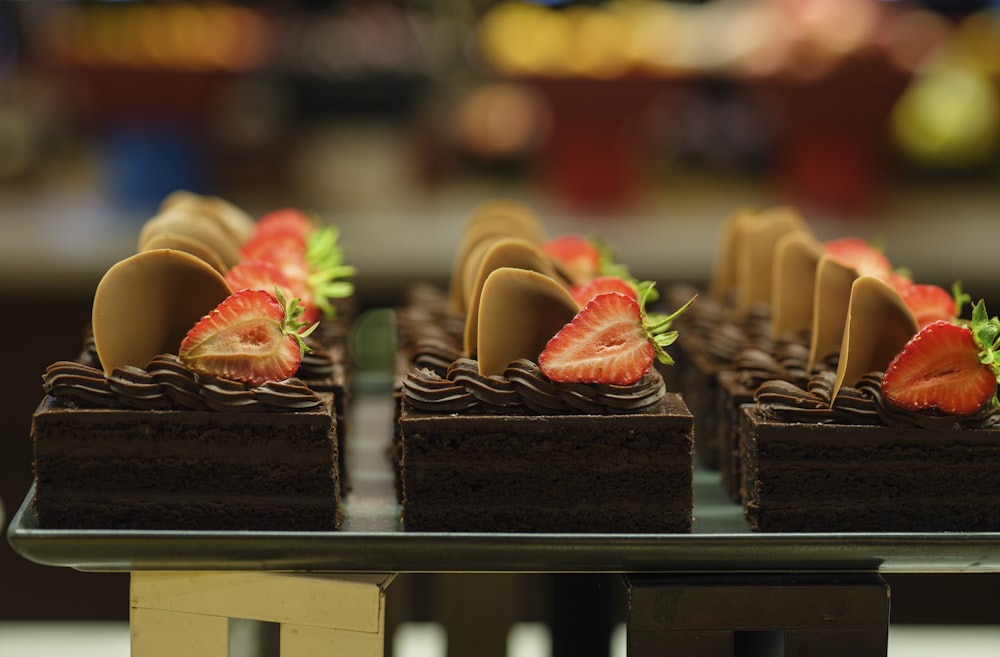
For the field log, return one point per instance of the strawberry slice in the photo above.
(252, 336)
(611, 340)
(285, 221)
(266, 275)
(898, 280)
(587, 291)
(946, 367)
(929, 303)
(291, 274)
(258, 275)
(577, 256)
(260, 245)
(859, 254)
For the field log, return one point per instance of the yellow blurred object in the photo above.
(600, 45)
(523, 39)
(607, 42)
(949, 117)
(184, 36)
(977, 40)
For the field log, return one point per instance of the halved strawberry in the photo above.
(611, 340)
(252, 336)
(946, 367)
(285, 221)
(929, 303)
(258, 275)
(898, 280)
(293, 275)
(260, 245)
(587, 291)
(577, 256)
(859, 254)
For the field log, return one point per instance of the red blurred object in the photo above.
(595, 157)
(112, 95)
(834, 143)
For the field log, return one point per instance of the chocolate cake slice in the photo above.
(257, 468)
(192, 406)
(524, 472)
(810, 477)
(543, 412)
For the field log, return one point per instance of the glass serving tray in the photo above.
(372, 539)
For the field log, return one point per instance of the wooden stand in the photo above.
(750, 615)
(188, 613)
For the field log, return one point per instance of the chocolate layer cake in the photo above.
(157, 449)
(428, 335)
(745, 296)
(328, 370)
(711, 346)
(528, 400)
(516, 454)
(861, 466)
(192, 406)
(736, 386)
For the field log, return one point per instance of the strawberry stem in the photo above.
(961, 298)
(657, 325)
(327, 269)
(292, 324)
(986, 333)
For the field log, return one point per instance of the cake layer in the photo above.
(335, 379)
(548, 473)
(68, 508)
(814, 477)
(186, 469)
(609, 520)
(699, 385)
(730, 395)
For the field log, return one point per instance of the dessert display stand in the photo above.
(720, 590)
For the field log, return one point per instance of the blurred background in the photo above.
(646, 121)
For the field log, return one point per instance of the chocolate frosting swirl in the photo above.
(726, 338)
(789, 362)
(426, 317)
(859, 404)
(317, 365)
(522, 387)
(166, 384)
(435, 376)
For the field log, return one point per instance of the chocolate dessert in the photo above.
(547, 414)
(810, 467)
(904, 436)
(517, 453)
(202, 399)
(160, 448)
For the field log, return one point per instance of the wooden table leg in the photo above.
(715, 615)
(188, 612)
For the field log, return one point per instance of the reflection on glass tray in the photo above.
(372, 539)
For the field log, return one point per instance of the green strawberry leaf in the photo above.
(327, 269)
(961, 298)
(293, 324)
(986, 333)
(657, 325)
